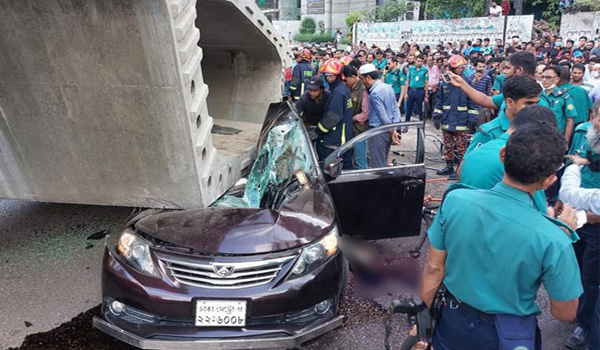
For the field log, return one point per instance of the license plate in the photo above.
(220, 313)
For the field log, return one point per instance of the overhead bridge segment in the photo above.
(152, 103)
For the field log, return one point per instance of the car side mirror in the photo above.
(334, 169)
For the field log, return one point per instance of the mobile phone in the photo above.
(446, 78)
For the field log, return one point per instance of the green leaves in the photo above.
(456, 9)
(308, 26)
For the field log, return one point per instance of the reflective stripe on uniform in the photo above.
(343, 133)
(446, 107)
(461, 109)
(437, 111)
(322, 128)
(474, 111)
(458, 128)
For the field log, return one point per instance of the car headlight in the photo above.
(136, 251)
(315, 254)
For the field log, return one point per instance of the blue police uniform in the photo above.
(301, 74)
(335, 127)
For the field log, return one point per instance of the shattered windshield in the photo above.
(285, 153)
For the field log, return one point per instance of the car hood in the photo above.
(308, 216)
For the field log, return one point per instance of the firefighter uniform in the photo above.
(335, 127)
(456, 112)
(301, 74)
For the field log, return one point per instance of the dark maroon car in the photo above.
(261, 267)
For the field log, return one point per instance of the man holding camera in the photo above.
(455, 113)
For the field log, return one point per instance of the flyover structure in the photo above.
(151, 103)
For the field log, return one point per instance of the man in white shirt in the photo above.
(495, 10)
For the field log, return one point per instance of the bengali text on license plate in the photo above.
(221, 313)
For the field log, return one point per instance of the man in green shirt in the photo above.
(581, 100)
(393, 76)
(493, 249)
(561, 102)
(519, 91)
(483, 168)
(417, 81)
(499, 82)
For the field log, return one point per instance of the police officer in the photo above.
(335, 127)
(393, 76)
(519, 63)
(493, 249)
(588, 147)
(456, 114)
(519, 91)
(417, 83)
(311, 104)
(301, 74)
(483, 168)
(561, 102)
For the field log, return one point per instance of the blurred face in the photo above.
(367, 81)
(337, 54)
(581, 42)
(388, 55)
(370, 58)
(330, 78)
(546, 45)
(486, 43)
(578, 59)
(429, 61)
(569, 44)
(379, 57)
(549, 79)
(576, 75)
(595, 71)
(315, 94)
(510, 70)
(538, 44)
(515, 106)
(589, 45)
(350, 81)
(419, 62)
(480, 67)
(538, 72)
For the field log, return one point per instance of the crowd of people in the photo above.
(517, 217)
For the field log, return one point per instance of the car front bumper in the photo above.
(271, 342)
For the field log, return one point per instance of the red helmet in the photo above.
(457, 61)
(305, 55)
(346, 60)
(332, 66)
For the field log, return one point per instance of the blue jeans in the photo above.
(360, 155)
(415, 101)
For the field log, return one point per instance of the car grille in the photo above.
(223, 275)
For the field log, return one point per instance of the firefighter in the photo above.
(456, 114)
(301, 74)
(335, 127)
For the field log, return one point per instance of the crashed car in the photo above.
(261, 267)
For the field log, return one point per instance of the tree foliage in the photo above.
(456, 9)
(388, 12)
(354, 17)
(308, 26)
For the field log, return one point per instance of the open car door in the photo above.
(382, 202)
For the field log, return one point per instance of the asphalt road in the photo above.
(50, 273)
